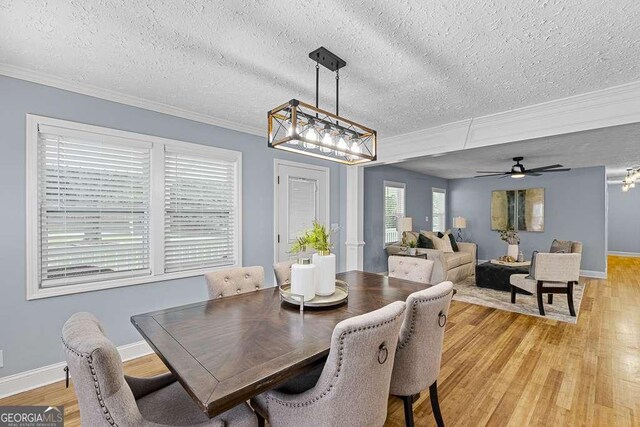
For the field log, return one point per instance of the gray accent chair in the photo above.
(107, 397)
(282, 271)
(234, 281)
(419, 351)
(410, 268)
(353, 387)
(554, 273)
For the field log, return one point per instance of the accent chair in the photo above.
(419, 351)
(354, 384)
(107, 397)
(552, 273)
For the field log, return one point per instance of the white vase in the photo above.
(412, 251)
(512, 251)
(303, 277)
(325, 274)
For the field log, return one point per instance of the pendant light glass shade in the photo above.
(305, 129)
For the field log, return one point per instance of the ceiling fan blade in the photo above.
(493, 174)
(555, 170)
(541, 168)
(532, 173)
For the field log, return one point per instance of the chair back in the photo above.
(283, 271)
(558, 267)
(95, 366)
(409, 268)
(419, 352)
(234, 281)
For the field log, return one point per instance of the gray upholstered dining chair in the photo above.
(283, 271)
(107, 397)
(234, 281)
(552, 273)
(419, 351)
(410, 268)
(354, 384)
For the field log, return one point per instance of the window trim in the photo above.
(156, 229)
(444, 216)
(393, 184)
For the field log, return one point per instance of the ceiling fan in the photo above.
(518, 170)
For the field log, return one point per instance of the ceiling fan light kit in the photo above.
(306, 129)
(519, 171)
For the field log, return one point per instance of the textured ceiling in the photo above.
(412, 64)
(617, 148)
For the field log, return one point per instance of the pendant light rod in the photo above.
(337, 93)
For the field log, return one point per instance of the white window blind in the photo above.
(200, 211)
(394, 208)
(439, 205)
(93, 207)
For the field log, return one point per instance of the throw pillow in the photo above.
(560, 247)
(411, 236)
(424, 242)
(532, 267)
(454, 244)
(443, 244)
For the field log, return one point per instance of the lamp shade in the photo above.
(405, 224)
(459, 222)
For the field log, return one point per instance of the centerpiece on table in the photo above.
(318, 238)
(513, 240)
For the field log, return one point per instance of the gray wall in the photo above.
(624, 219)
(418, 206)
(30, 330)
(574, 210)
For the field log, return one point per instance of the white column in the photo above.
(355, 218)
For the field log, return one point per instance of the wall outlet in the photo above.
(1, 359)
(426, 219)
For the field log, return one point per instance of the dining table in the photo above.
(225, 351)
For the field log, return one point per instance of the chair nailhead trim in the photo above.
(412, 328)
(96, 384)
(340, 357)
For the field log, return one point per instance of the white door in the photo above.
(302, 195)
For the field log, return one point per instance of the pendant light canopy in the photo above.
(302, 128)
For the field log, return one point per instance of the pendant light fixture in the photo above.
(306, 129)
(629, 181)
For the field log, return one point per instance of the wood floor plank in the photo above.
(501, 368)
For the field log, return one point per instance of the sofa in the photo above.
(453, 267)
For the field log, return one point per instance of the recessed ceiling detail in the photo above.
(424, 63)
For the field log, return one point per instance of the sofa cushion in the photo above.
(411, 236)
(456, 259)
(443, 244)
(560, 246)
(424, 242)
(454, 244)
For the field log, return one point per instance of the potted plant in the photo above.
(512, 239)
(412, 245)
(318, 238)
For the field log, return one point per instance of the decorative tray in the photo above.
(338, 297)
(511, 264)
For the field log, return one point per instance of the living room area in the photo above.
(562, 193)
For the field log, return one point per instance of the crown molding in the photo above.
(121, 98)
(612, 106)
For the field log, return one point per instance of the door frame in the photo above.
(280, 162)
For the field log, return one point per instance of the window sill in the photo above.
(36, 292)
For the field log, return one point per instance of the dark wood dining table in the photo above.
(225, 351)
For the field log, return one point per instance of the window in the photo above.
(439, 210)
(394, 208)
(109, 208)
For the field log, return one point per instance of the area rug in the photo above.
(467, 291)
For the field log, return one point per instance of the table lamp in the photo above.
(459, 223)
(405, 224)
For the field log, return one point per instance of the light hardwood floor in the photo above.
(503, 368)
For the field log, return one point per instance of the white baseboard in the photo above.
(24, 381)
(593, 274)
(629, 254)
